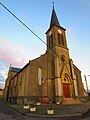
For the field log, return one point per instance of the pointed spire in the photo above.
(54, 19)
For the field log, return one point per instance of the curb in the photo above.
(64, 117)
(57, 116)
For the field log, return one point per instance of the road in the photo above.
(7, 113)
(86, 116)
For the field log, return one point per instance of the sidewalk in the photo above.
(62, 111)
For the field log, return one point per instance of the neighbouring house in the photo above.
(12, 71)
(1, 92)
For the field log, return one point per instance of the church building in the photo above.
(51, 77)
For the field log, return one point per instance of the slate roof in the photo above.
(15, 69)
(54, 19)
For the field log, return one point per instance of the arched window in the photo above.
(52, 39)
(49, 42)
(59, 38)
(39, 75)
(62, 40)
(76, 78)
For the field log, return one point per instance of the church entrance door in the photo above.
(66, 90)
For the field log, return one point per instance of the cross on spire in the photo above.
(54, 19)
(53, 4)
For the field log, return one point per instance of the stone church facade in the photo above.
(52, 76)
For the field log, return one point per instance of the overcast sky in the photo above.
(18, 45)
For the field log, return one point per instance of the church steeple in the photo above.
(56, 34)
(54, 19)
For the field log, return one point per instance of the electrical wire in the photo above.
(27, 27)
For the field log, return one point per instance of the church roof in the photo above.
(54, 19)
(15, 69)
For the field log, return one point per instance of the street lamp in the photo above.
(89, 76)
(86, 82)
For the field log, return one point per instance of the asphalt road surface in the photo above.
(7, 113)
(86, 115)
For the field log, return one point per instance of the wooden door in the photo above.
(66, 90)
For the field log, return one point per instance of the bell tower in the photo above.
(57, 47)
(55, 34)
